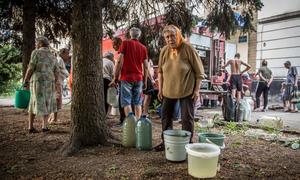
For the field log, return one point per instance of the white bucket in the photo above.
(175, 141)
(202, 159)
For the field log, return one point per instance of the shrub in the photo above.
(10, 68)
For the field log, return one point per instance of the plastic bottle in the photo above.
(128, 138)
(144, 134)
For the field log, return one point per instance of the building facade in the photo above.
(278, 35)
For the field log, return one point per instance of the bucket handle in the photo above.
(21, 87)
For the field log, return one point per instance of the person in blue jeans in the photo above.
(132, 64)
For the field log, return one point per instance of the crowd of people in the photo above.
(130, 70)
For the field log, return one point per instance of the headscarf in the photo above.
(179, 38)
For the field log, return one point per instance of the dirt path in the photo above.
(36, 156)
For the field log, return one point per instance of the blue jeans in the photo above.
(131, 93)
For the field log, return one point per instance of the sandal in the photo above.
(45, 129)
(32, 130)
(160, 147)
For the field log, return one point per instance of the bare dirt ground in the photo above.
(37, 156)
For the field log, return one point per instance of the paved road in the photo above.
(290, 120)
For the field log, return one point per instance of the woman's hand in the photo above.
(159, 95)
(26, 85)
(196, 95)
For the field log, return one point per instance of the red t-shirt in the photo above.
(134, 55)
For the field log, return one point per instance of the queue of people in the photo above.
(180, 72)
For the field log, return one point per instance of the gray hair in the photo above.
(135, 32)
(43, 40)
(109, 55)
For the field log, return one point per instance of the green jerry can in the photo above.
(144, 134)
(128, 138)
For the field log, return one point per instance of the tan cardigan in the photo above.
(179, 71)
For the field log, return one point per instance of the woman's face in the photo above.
(170, 38)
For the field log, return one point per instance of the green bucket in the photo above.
(22, 98)
(213, 138)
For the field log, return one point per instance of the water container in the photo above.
(270, 122)
(175, 141)
(22, 98)
(212, 138)
(144, 134)
(202, 159)
(113, 97)
(128, 138)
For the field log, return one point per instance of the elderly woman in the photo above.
(180, 73)
(42, 73)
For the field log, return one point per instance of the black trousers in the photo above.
(106, 83)
(262, 88)
(187, 113)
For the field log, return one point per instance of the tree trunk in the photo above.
(87, 110)
(28, 32)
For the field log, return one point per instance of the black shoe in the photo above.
(45, 130)
(160, 147)
(32, 130)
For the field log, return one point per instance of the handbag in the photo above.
(22, 97)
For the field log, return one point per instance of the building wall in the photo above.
(277, 7)
(278, 35)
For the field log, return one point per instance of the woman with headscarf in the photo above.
(42, 74)
(180, 73)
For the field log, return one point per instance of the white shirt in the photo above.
(108, 69)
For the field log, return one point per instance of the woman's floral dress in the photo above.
(42, 83)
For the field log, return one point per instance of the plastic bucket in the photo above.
(175, 141)
(22, 98)
(212, 138)
(202, 159)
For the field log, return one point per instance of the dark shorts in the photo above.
(150, 89)
(236, 82)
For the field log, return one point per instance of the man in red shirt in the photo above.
(133, 65)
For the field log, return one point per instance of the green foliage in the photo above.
(156, 104)
(221, 16)
(53, 19)
(293, 144)
(233, 127)
(177, 13)
(10, 68)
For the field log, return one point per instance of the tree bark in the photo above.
(87, 109)
(28, 32)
